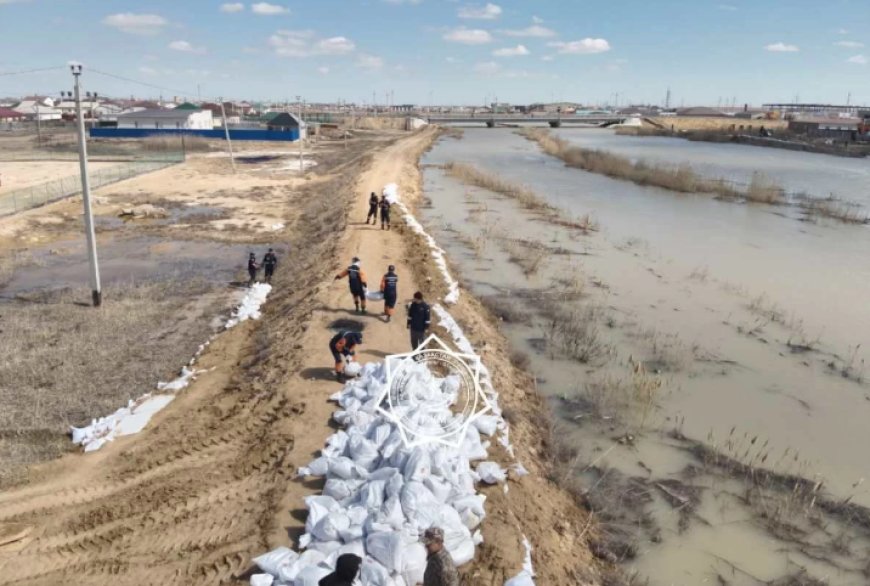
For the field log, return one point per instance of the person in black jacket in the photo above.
(343, 345)
(390, 289)
(252, 269)
(270, 261)
(356, 280)
(346, 569)
(385, 212)
(373, 209)
(418, 320)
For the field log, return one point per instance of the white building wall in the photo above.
(201, 120)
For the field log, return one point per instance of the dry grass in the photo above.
(66, 362)
(164, 144)
(526, 197)
(682, 179)
(574, 333)
(831, 207)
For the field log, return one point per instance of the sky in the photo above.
(710, 52)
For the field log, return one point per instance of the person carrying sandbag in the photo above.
(346, 570)
(390, 289)
(343, 345)
(356, 279)
(440, 569)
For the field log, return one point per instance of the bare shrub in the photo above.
(830, 207)
(506, 309)
(575, 334)
(763, 190)
(530, 258)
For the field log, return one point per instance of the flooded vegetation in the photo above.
(705, 362)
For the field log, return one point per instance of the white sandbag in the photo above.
(469, 519)
(356, 548)
(371, 495)
(386, 547)
(318, 508)
(329, 528)
(318, 467)
(352, 533)
(471, 502)
(418, 466)
(310, 557)
(380, 434)
(262, 580)
(352, 368)
(363, 452)
(491, 473)
(311, 576)
(324, 547)
(462, 552)
(439, 487)
(415, 497)
(521, 579)
(374, 295)
(374, 574)
(357, 515)
(486, 424)
(477, 537)
(273, 561)
(391, 513)
(472, 448)
(340, 489)
(413, 564)
(345, 468)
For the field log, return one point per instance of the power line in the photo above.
(143, 83)
(31, 70)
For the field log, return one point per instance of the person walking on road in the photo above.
(390, 289)
(440, 569)
(253, 267)
(418, 320)
(356, 279)
(385, 212)
(346, 570)
(343, 345)
(270, 261)
(373, 209)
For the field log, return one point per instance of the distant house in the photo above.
(837, 128)
(34, 109)
(10, 115)
(285, 121)
(167, 119)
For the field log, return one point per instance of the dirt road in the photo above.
(211, 482)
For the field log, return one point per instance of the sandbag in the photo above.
(374, 574)
(311, 557)
(330, 527)
(262, 580)
(486, 424)
(340, 489)
(311, 576)
(439, 487)
(413, 563)
(462, 552)
(387, 548)
(374, 295)
(418, 466)
(273, 561)
(363, 452)
(345, 468)
(318, 508)
(491, 473)
(371, 495)
(352, 369)
(521, 579)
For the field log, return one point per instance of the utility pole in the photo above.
(96, 289)
(227, 134)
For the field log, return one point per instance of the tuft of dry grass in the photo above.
(164, 144)
(526, 197)
(66, 362)
(574, 332)
(763, 190)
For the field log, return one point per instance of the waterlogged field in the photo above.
(704, 359)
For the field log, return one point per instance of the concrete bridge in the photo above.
(554, 121)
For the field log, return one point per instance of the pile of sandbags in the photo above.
(380, 494)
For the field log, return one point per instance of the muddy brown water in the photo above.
(748, 330)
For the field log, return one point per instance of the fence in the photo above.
(37, 195)
(235, 133)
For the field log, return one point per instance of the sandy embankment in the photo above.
(211, 482)
(683, 123)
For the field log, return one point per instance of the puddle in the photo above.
(65, 264)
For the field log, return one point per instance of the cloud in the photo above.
(323, 70)
(487, 68)
(136, 24)
(582, 47)
(186, 47)
(306, 44)
(857, 60)
(266, 9)
(781, 48)
(468, 36)
(537, 20)
(518, 51)
(232, 7)
(369, 62)
(849, 44)
(536, 30)
(488, 12)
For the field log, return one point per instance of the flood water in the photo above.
(750, 328)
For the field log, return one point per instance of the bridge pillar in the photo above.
(490, 123)
(555, 123)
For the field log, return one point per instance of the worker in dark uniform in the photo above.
(253, 267)
(418, 320)
(270, 261)
(343, 344)
(385, 212)
(356, 278)
(390, 289)
(373, 209)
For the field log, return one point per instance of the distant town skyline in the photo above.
(716, 53)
